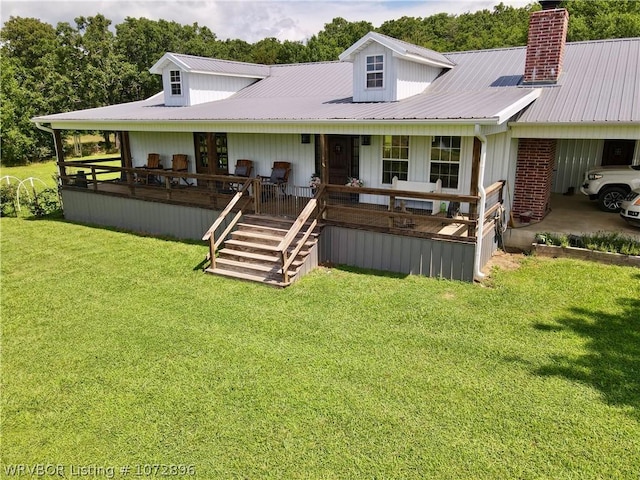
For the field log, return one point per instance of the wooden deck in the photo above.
(339, 205)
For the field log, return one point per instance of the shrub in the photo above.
(44, 203)
(8, 200)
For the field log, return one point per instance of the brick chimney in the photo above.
(545, 45)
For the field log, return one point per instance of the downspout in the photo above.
(477, 274)
(39, 126)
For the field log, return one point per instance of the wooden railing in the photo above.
(316, 205)
(400, 212)
(169, 185)
(210, 234)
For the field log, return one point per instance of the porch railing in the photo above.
(210, 234)
(407, 213)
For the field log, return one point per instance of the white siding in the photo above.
(413, 78)
(419, 165)
(208, 88)
(175, 100)
(573, 158)
(585, 131)
(360, 92)
(402, 78)
(264, 149)
(498, 158)
(166, 144)
(201, 88)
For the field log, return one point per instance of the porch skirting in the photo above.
(394, 253)
(359, 248)
(154, 218)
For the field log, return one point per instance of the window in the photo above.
(375, 71)
(175, 81)
(445, 161)
(395, 157)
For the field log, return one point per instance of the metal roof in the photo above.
(600, 82)
(403, 49)
(214, 66)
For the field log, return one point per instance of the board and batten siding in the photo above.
(166, 144)
(401, 78)
(413, 78)
(264, 149)
(208, 88)
(153, 218)
(393, 253)
(574, 157)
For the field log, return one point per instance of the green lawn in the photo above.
(45, 171)
(117, 352)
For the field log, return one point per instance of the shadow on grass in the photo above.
(612, 361)
(365, 271)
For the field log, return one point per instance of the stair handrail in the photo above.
(285, 243)
(223, 215)
(210, 234)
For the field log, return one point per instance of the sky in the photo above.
(248, 20)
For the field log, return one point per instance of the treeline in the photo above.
(46, 69)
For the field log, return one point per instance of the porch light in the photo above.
(366, 140)
(305, 138)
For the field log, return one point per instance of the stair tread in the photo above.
(245, 276)
(260, 267)
(264, 227)
(254, 256)
(261, 236)
(256, 246)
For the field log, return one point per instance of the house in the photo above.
(447, 147)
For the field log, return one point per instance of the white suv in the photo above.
(610, 185)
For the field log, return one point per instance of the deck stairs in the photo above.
(251, 251)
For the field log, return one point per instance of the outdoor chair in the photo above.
(276, 184)
(243, 168)
(153, 163)
(180, 164)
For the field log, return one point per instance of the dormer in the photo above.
(188, 80)
(387, 70)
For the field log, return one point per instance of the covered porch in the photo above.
(401, 212)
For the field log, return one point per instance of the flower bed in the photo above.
(612, 248)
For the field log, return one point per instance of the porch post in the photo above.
(324, 161)
(125, 157)
(473, 189)
(62, 170)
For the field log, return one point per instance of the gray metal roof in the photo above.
(600, 83)
(400, 47)
(191, 63)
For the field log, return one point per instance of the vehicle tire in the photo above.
(610, 198)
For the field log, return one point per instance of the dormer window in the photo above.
(176, 82)
(375, 71)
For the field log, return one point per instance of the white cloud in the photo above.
(249, 20)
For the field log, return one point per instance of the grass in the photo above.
(116, 351)
(46, 171)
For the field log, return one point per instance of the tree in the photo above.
(336, 37)
(599, 19)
